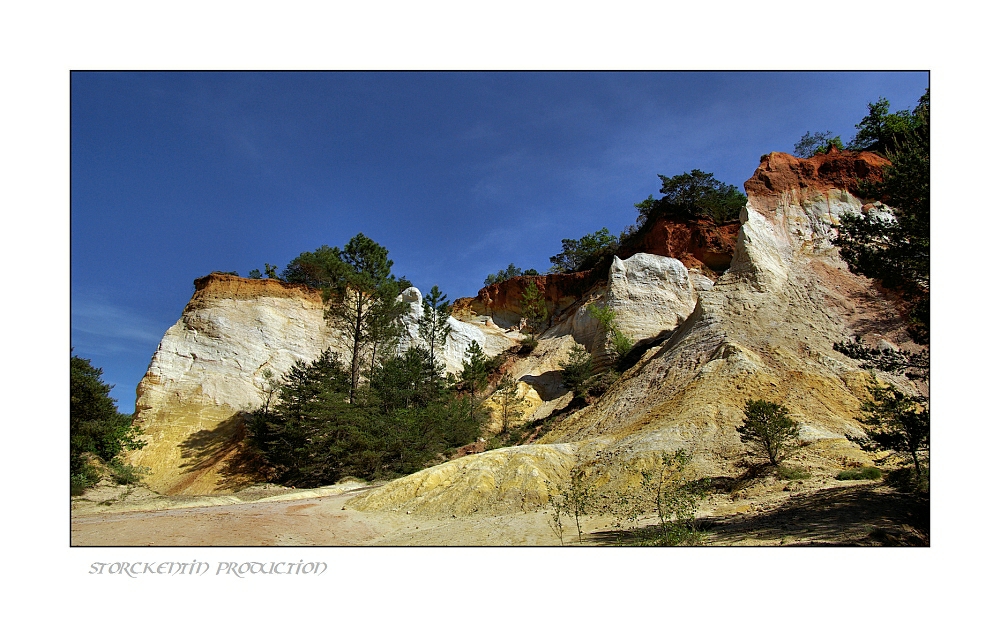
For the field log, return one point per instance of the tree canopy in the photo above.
(400, 420)
(817, 143)
(896, 250)
(584, 253)
(692, 194)
(881, 131)
(510, 272)
(95, 426)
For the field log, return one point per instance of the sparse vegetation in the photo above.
(125, 473)
(861, 473)
(575, 500)
(619, 342)
(585, 253)
(895, 423)
(789, 472)
(511, 272)
(817, 143)
(577, 371)
(768, 429)
(528, 344)
(509, 402)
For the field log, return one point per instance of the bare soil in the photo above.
(773, 513)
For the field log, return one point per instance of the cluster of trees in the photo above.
(378, 411)
(695, 193)
(686, 195)
(879, 131)
(403, 416)
(896, 252)
(585, 253)
(96, 429)
(510, 272)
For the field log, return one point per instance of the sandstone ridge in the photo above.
(729, 312)
(765, 329)
(212, 364)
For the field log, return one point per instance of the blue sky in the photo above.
(175, 175)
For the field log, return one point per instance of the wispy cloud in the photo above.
(112, 326)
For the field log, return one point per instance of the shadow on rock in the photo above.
(223, 449)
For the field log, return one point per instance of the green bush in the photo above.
(124, 473)
(86, 477)
(528, 344)
(769, 430)
(861, 473)
(585, 253)
(577, 370)
(788, 472)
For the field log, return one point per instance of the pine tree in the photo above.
(433, 323)
(509, 402)
(474, 374)
(362, 298)
(533, 308)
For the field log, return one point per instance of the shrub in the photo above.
(620, 342)
(768, 429)
(666, 490)
(86, 477)
(577, 370)
(787, 472)
(124, 473)
(585, 253)
(528, 344)
(864, 473)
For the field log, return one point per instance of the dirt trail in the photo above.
(858, 513)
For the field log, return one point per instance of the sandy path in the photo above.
(850, 513)
(321, 521)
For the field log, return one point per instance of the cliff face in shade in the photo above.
(210, 365)
(764, 330)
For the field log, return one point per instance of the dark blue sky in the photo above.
(175, 175)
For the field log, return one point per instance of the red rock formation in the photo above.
(779, 172)
(504, 299)
(699, 243)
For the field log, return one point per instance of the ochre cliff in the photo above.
(212, 364)
(764, 330)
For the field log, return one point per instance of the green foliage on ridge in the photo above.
(95, 426)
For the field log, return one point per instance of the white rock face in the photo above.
(649, 294)
(489, 336)
(211, 364)
(760, 257)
